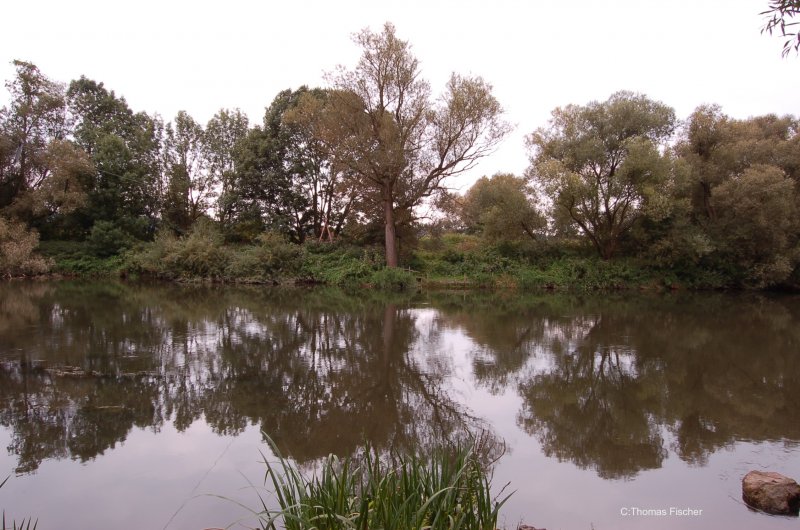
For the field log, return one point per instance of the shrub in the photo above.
(107, 239)
(77, 257)
(343, 266)
(17, 246)
(393, 279)
(271, 258)
(198, 255)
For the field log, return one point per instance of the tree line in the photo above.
(367, 158)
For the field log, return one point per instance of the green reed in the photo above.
(25, 524)
(450, 490)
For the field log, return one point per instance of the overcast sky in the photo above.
(164, 56)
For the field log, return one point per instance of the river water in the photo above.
(144, 406)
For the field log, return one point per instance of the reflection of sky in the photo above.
(160, 479)
(143, 482)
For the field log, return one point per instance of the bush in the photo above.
(107, 239)
(198, 255)
(271, 258)
(343, 266)
(393, 279)
(17, 246)
(77, 257)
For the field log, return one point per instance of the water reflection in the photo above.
(614, 384)
(321, 373)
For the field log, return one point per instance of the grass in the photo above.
(25, 524)
(450, 491)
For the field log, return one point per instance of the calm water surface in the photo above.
(135, 406)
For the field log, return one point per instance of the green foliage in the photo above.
(583, 273)
(758, 224)
(107, 239)
(502, 209)
(343, 266)
(17, 250)
(125, 149)
(393, 279)
(601, 165)
(79, 258)
(272, 258)
(450, 491)
(717, 208)
(197, 255)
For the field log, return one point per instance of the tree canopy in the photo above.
(602, 164)
(398, 142)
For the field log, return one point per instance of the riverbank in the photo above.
(459, 263)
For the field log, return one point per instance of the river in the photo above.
(141, 405)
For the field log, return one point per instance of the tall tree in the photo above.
(288, 175)
(328, 194)
(602, 164)
(190, 187)
(265, 184)
(223, 140)
(36, 116)
(125, 147)
(40, 171)
(397, 141)
(744, 177)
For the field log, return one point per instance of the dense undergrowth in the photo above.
(449, 261)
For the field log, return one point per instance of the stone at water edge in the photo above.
(526, 527)
(771, 492)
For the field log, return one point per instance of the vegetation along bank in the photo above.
(347, 185)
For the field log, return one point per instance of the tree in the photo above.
(602, 165)
(40, 171)
(36, 116)
(758, 224)
(398, 143)
(125, 148)
(502, 208)
(223, 140)
(779, 12)
(329, 195)
(288, 175)
(190, 187)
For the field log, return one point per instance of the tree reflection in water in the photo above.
(615, 382)
(611, 383)
(320, 371)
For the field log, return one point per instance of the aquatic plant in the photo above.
(451, 490)
(25, 524)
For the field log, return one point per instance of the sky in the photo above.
(170, 55)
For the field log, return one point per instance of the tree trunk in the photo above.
(608, 248)
(391, 236)
(710, 213)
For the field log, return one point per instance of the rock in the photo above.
(771, 492)
(526, 527)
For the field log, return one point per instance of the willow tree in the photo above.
(399, 142)
(602, 165)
